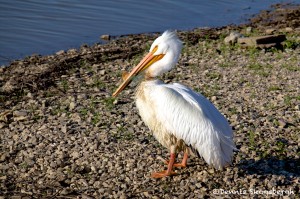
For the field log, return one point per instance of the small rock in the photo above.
(102, 72)
(72, 106)
(249, 29)
(288, 29)
(2, 124)
(20, 118)
(72, 51)
(211, 171)
(60, 52)
(84, 196)
(64, 129)
(75, 155)
(29, 95)
(19, 113)
(105, 37)
(65, 192)
(270, 31)
(4, 115)
(232, 38)
(213, 98)
(282, 123)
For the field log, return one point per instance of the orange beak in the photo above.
(147, 61)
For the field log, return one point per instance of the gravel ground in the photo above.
(64, 136)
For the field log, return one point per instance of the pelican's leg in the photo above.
(184, 160)
(169, 171)
(183, 163)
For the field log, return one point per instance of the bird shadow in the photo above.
(275, 163)
(289, 167)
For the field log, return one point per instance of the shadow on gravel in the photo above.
(288, 167)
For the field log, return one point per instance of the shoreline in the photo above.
(63, 135)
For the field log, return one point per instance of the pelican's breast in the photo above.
(149, 115)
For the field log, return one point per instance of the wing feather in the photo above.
(194, 119)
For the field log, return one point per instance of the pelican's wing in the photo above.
(195, 120)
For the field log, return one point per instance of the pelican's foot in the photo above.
(162, 174)
(181, 165)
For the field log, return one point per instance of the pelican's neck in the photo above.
(150, 81)
(148, 76)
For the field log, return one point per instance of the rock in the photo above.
(249, 30)
(2, 124)
(262, 41)
(232, 38)
(289, 29)
(214, 98)
(72, 106)
(9, 86)
(64, 129)
(60, 52)
(270, 31)
(282, 123)
(105, 37)
(29, 95)
(75, 155)
(4, 115)
(102, 72)
(20, 115)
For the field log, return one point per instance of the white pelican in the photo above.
(179, 118)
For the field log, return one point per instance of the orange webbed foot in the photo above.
(180, 165)
(162, 174)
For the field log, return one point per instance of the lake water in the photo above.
(45, 27)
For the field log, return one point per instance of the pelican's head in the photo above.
(162, 57)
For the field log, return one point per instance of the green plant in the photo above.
(84, 112)
(291, 44)
(109, 102)
(65, 85)
(287, 99)
(280, 148)
(96, 118)
(274, 88)
(214, 75)
(255, 66)
(251, 137)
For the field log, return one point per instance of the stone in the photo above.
(261, 41)
(60, 52)
(249, 29)
(232, 38)
(289, 29)
(270, 31)
(72, 106)
(105, 37)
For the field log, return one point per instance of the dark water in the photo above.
(45, 27)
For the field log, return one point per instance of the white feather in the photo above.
(188, 116)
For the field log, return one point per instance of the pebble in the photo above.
(232, 38)
(72, 106)
(270, 31)
(105, 37)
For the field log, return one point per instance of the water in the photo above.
(45, 27)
